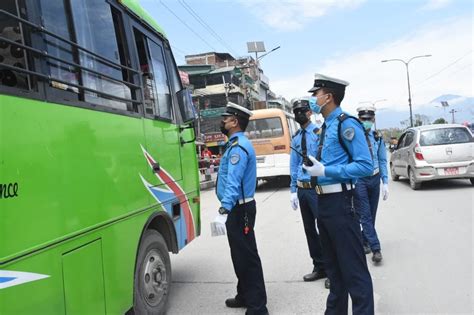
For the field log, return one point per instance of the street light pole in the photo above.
(408, 80)
(257, 59)
(373, 104)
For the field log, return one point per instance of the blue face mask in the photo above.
(313, 105)
(367, 124)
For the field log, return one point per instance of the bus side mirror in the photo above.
(182, 128)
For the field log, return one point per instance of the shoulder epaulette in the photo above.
(236, 144)
(297, 133)
(343, 117)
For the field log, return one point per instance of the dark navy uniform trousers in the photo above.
(344, 257)
(308, 200)
(245, 258)
(367, 194)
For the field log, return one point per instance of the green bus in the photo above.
(98, 168)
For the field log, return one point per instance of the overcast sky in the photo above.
(342, 38)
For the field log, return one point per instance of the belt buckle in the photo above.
(318, 189)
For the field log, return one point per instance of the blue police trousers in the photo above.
(367, 194)
(344, 258)
(308, 200)
(245, 258)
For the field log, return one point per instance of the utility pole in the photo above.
(452, 111)
(408, 80)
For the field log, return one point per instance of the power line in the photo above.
(196, 16)
(448, 66)
(184, 23)
(179, 51)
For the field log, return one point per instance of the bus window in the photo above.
(12, 56)
(54, 18)
(182, 97)
(89, 17)
(160, 78)
(265, 128)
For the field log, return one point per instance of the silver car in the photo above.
(433, 152)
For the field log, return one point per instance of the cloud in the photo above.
(448, 71)
(291, 15)
(435, 4)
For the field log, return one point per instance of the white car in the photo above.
(433, 152)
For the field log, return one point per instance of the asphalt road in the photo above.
(426, 238)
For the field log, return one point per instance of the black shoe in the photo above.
(377, 256)
(315, 275)
(234, 303)
(367, 249)
(249, 312)
(327, 283)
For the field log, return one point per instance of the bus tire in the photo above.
(152, 279)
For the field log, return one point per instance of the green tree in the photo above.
(440, 121)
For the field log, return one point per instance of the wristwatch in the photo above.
(223, 210)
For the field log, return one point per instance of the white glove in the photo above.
(317, 169)
(218, 225)
(385, 191)
(294, 200)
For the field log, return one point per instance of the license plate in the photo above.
(451, 171)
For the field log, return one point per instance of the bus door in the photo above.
(162, 148)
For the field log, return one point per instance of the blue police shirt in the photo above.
(236, 168)
(296, 161)
(335, 159)
(380, 156)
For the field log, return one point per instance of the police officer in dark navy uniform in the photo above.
(367, 190)
(343, 157)
(304, 143)
(235, 190)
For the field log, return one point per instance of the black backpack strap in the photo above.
(343, 117)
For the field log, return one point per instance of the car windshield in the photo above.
(264, 128)
(444, 136)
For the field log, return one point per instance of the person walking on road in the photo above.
(367, 190)
(302, 191)
(343, 156)
(235, 190)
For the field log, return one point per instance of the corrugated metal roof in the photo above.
(222, 70)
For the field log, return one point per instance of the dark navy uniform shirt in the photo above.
(237, 167)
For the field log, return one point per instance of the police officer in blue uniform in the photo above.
(343, 156)
(304, 143)
(235, 190)
(367, 190)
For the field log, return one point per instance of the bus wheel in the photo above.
(152, 275)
